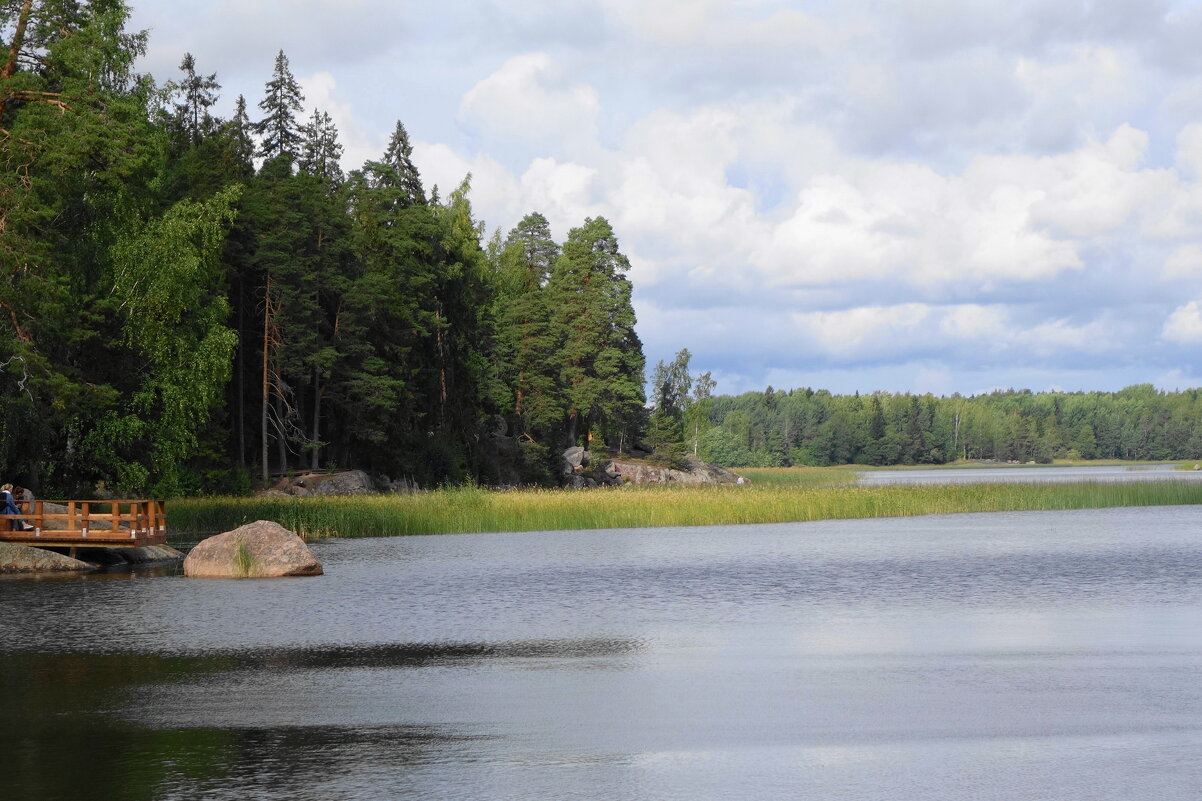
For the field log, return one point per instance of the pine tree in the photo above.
(530, 252)
(279, 132)
(602, 357)
(297, 265)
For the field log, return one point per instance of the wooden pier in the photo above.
(88, 524)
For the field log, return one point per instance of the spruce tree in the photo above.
(197, 93)
(397, 170)
(279, 132)
(524, 369)
(387, 324)
(241, 134)
(461, 322)
(321, 151)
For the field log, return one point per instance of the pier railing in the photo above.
(102, 524)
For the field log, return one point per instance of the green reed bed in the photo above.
(476, 510)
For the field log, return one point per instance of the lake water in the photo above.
(1030, 474)
(1035, 655)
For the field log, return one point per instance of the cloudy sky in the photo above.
(911, 195)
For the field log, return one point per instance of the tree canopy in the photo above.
(191, 303)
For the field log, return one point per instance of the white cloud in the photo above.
(1092, 75)
(722, 25)
(665, 20)
(1096, 189)
(563, 192)
(1184, 325)
(529, 97)
(859, 332)
(1184, 262)
(974, 322)
(358, 145)
(800, 187)
(1189, 150)
(911, 224)
(1059, 336)
(872, 333)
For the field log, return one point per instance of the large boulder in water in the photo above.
(262, 549)
(23, 559)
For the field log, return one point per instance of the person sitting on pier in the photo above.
(23, 496)
(7, 507)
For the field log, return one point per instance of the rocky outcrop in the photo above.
(121, 557)
(262, 549)
(151, 554)
(582, 470)
(346, 482)
(575, 460)
(697, 472)
(23, 559)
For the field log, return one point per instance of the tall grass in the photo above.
(774, 500)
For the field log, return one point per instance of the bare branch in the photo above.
(24, 374)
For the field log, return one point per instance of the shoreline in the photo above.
(806, 495)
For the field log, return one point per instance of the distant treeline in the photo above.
(190, 303)
(808, 427)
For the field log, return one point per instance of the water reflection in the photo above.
(983, 656)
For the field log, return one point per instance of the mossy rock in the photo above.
(262, 549)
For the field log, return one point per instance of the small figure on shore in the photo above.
(7, 507)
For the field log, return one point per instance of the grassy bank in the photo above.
(773, 497)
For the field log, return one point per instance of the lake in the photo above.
(1029, 474)
(987, 656)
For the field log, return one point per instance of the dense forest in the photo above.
(195, 304)
(777, 428)
(807, 427)
(191, 304)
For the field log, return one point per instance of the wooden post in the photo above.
(71, 521)
(87, 516)
(115, 510)
(37, 518)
